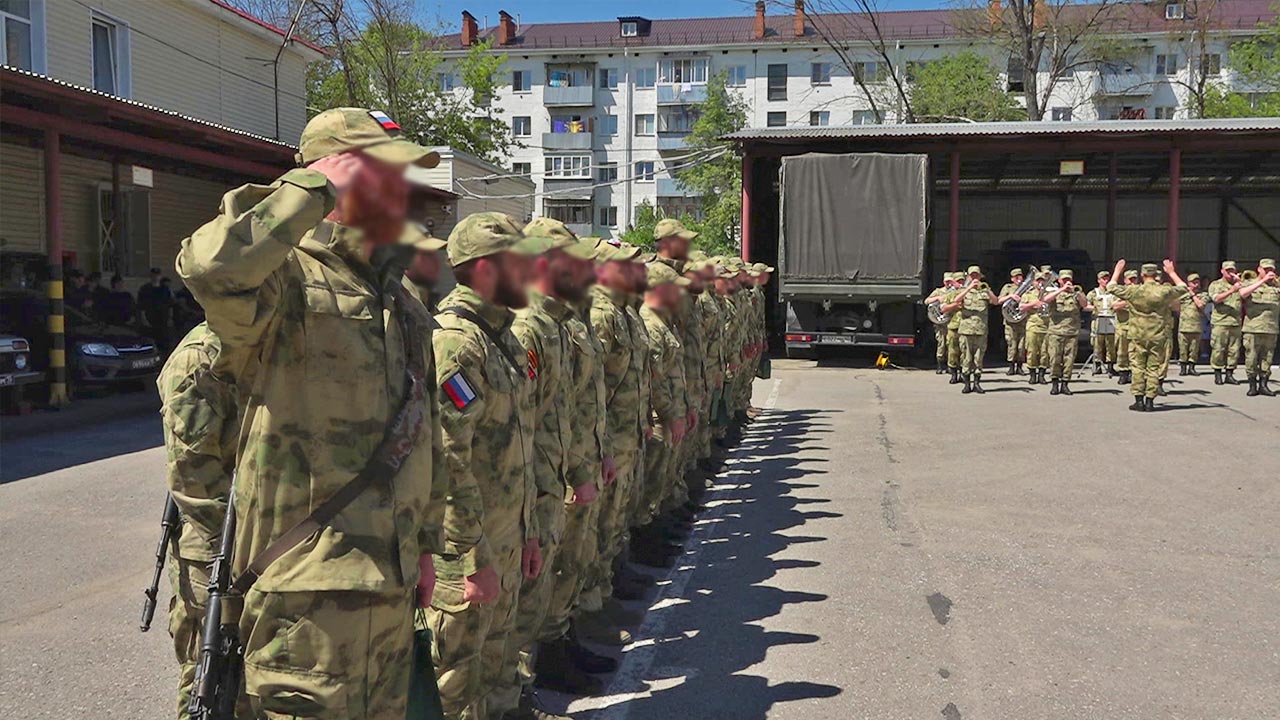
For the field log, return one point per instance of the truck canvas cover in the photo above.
(853, 224)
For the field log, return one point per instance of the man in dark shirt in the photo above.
(117, 308)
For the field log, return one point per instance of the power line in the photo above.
(594, 166)
(467, 192)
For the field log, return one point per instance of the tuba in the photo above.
(934, 311)
(1011, 309)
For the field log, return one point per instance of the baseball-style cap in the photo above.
(1104, 273)
(1266, 263)
(1130, 274)
(487, 233)
(1150, 268)
(421, 240)
(370, 131)
(1193, 276)
(547, 227)
(1228, 264)
(697, 266)
(762, 268)
(724, 272)
(1046, 268)
(698, 255)
(1068, 274)
(1016, 272)
(661, 274)
(668, 227)
(973, 269)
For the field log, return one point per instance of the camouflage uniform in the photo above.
(668, 399)
(1104, 343)
(637, 511)
(972, 330)
(278, 281)
(1015, 334)
(1064, 333)
(711, 310)
(1122, 331)
(953, 333)
(1191, 327)
(1037, 332)
(939, 331)
(1224, 335)
(1148, 306)
(1261, 324)
(687, 325)
(200, 416)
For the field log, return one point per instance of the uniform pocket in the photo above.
(343, 339)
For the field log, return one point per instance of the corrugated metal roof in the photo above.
(942, 130)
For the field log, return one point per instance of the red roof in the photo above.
(263, 23)
(779, 27)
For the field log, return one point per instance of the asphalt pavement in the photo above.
(879, 546)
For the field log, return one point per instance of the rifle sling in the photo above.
(495, 336)
(397, 443)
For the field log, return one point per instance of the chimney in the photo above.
(799, 19)
(758, 34)
(506, 28)
(470, 30)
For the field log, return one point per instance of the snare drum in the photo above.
(1106, 326)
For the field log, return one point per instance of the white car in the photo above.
(15, 362)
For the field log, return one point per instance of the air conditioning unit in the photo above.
(1174, 11)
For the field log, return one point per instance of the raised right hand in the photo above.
(341, 169)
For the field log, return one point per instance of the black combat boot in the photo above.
(977, 384)
(586, 660)
(1192, 367)
(941, 368)
(1253, 387)
(531, 709)
(1032, 374)
(1128, 377)
(1065, 388)
(968, 386)
(1182, 368)
(1111, 369)
(1230, 379)
(1148, 404)
(1057, 387)
(1263, 382)
(1160, 389)
(1097, 368)
(955, 376)
(556, 670)
(1043, 379)
(1021, 369)
(1138, 405)
(1217, 377)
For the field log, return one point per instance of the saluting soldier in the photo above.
(1037, 329)
(1261, 323)
(973, 304)
(1224, 324)
(1191, 324)
(1065, 304)
(938, 295)
(1102, 330)
(1121, 307)
(1015, 333)
(1148, 303)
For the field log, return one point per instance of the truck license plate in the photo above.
(838, 339)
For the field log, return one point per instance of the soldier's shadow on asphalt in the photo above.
(706, 633)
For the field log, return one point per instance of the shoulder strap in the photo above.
(397, 443)
(494, 335)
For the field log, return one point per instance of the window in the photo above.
(644, 171)
(608, 78)
(127, 248)
(776, 119)
(646, 77)
(644, 124)
(1165, 112)
(677, 120)
(608, 124)
(682, 70)
(525, 169)
(1016, 72)
(21, 33)
(870, 71)
(819, 117)
(609, 216)
(820, 73)
(1173, 11)
(736, 76)
(568, 76)
(110, 56)
(570, 212)
(568, 166)
(867, 117)
(572, 123)
(521, 126)
(520, 81)
(1166, 64)
(447, 81)
(778, 82)
(630, 29)
(607, 173)
(1211, 64)
(1061, 114)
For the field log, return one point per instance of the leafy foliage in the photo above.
(716, 176)
(962, 86)
(1256, 65)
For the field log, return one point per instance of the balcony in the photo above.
(684, 94)
(581, 229)
(671, 188)
(1126, 84)
(567, 188)
(673, 141)
(566, 141)
(568, 96)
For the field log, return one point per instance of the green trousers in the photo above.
(1224, 347)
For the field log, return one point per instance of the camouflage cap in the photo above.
(339, 130)
(542, 244)
(1266, 263)
(697, 266)
(647, 257)
(1130, 274)
(1067, 274)
(662, 274)
(1016, 272)
(421, 240)
(487, 233)
(1193, 277)
(1103, 274)
(1228, 264)
(1150, 269)
(725, 273)
(762, 268)
(698, 255)
(1046, 268)
(973, 269)
(669, 227)
(548, 227)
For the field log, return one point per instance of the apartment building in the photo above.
(603, 109)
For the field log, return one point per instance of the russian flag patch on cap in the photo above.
(384, 120)
(459, 391)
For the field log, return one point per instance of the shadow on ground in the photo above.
(59, 449)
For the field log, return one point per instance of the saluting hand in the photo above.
(341, 169)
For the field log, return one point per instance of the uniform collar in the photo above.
(558, 309)
(617, 297)
(463, 296)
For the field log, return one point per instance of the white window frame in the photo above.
(1164, 112)
(528, 81)
(567, 167)
(607, 172)
(820, 73)
(1162, 64)
(879, 72)
(731, 79)
(652, 79)
(1211, 60)
(860, 117)
(822, 116)
(692, 70)
(1174, 11)
(525, 171)
(769, 78)
(608, 216)
(39, 53)
(607, 120)
(645, 175)
(608, 78)
(652, 125)
(123, 52)
(528, 126)
(1057, 114)
(630, 29)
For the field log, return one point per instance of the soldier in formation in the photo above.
(1102, 328)
(1260, 326)
(1191, 309)
(971, 304)
(1015, 332)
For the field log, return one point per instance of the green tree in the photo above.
(713, 172)
(1255, 64)
(964, 86)
(640, 232)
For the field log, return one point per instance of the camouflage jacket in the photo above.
(1190, 316)
(974, 311)
(734, 331)
(1262, 310)
(710, 308)
(624, 351)
(1228, 312)
(666, 368)
(688, 325)
(587, 451)
(487, 410)
(1148, 307)
(1036, 322)
(200, 414)
(293, 291)
(641, 334)
(542, 329)
(1064, 314)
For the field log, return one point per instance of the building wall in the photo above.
(186, 59)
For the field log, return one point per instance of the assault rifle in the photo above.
(220, 670)
(169, 527)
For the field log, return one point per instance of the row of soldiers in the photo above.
(483, 466)
(1242, 309)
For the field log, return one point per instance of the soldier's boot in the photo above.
(1138, 405)
(1263, 382)
(977, 384)
(1097, 368)
(587, 661)
(941, 367)
(1043, 380)
(1160, 389)
(627, 591)
(1253, 387)
(530, 709)
(1032, 374)
(620, 616)
(596, 627)
(1057, 387)
(1192, 367)
(955, 376)
(1217, 377)
(1017, 368)
(1111, 369)
(625, 574)
(1128, 377)
(555, 669)
(968, 384)
(1230, 379)
(1148, 404)
(1013, 369)
(1064, 388)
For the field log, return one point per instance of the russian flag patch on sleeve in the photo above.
(459, 391)
(384, 120)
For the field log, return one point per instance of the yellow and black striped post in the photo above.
(53, 224)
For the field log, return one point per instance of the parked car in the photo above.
(97, 354)
(16, 371)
